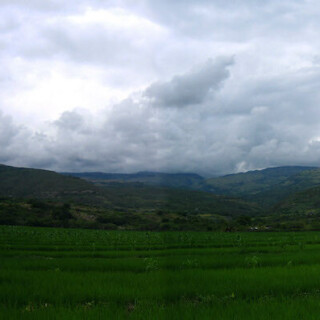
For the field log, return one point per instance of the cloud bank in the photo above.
(214, 130)
(190, 86)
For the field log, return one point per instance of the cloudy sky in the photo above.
(202, 86)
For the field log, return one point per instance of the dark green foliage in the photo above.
(62, 212)
(244, 220)
(34, 212)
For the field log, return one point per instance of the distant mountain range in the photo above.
(253, 182)
(159, 201)
(306, 202)
(129, 205)
(172, 180)
(265, 187)
(26, 182)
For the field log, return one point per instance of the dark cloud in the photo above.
(70, 121)
(191, 88)
(261, 126)
(260, 110)
(8, 131)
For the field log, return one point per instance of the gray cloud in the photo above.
(260, 126)
(222, 116)
(191, 88)
(69, 121)
(8, 131)
(217, 19)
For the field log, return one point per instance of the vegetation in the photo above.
(25, 182)
(43, 198)
(50, 273)
(173, 180)
(95, 274)
(305, 203)
(263, 187)
(266, 186)
(254, 181)
(293, 184)
(34, 212)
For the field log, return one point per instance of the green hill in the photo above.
(267, 186)
(304, 202)
(299, 211)
(298, 182)
(41, 197)
(172, 180)
(26, 182)
(264, 187)
(252, 182)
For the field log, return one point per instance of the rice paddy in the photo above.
(48, 273)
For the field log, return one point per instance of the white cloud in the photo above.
(113, 78)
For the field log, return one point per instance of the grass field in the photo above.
(93, 274)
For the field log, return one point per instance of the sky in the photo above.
(211, 87)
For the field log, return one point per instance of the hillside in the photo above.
(26, 182)
(296, 183)
(264, 187)
(40, 197)
(306, 202)
(276, 198)
(299, 211)
(267, 186)
(172, 180)
(252, 182)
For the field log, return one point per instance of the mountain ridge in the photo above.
(265, 186)
(40, 197)
(175, 180)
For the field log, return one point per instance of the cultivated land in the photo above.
(49, 273)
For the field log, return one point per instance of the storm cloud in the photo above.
(189, 86)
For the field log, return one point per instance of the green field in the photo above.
(49, 273)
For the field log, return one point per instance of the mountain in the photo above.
(267, 186)
(26, 182)
(300, 211)
(172, 180)
(295, 183)
(41, 197)
(252, 182)
(303, 202)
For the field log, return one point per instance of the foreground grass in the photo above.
(86, 274)
(293, 308)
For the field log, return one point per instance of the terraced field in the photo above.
(48, 273)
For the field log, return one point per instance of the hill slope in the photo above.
(267, 186)
(172, 180)
(125, 205)
(264, 187)
(296, 183)
(25, 182)
(304, 202)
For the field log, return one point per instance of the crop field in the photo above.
(48, 273)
